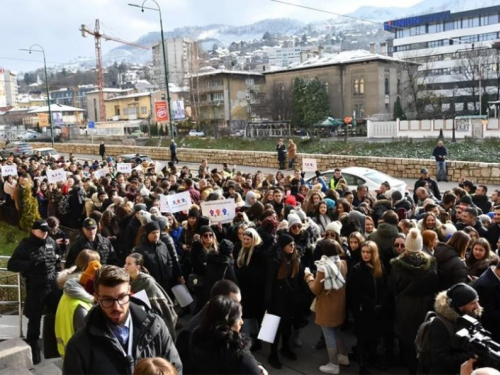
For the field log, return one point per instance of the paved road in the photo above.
(410, 182)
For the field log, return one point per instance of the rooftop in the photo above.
(225, 71)
(137, 95)
(56, 108)
(342, 58)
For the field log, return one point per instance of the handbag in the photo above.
(195, 281)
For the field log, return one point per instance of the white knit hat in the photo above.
(414, 241)
(293, 219)
(335, 226)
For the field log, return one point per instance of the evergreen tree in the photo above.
(317, 107)
(298, 102)
(398, 110)
(267, 36)
(29, 211)
(484, 103)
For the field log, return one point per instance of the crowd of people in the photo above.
(374, 263)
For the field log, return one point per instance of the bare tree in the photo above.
(278, 102)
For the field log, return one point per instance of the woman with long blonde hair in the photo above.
(368, 292)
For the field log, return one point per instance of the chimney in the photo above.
(372, 47)
(321, 50)
(383, 48)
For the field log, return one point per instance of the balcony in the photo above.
(212, 103)
(205, 89)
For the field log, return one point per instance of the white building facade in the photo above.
(8, 88)
(455, 52)
(180, 56)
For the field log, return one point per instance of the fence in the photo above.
(11, 303)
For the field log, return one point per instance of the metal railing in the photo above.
(9, 322)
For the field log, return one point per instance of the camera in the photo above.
(474, 338)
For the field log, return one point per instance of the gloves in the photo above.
(302, 174)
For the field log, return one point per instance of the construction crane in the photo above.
(98, 35)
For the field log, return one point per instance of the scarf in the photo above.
(324, 220)
(333, 278)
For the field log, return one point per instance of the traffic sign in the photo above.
(91, 125)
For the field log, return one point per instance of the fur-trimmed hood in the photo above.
(65, 275)
(442, 308)
(413, 262)
(74, 289)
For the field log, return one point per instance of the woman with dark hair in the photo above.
(429, 222)
(322, 216)
(250, 270)
(255, 211)
(330, 304)
(217, 346)
(58, 235)
(110, 229)
(175, 231)
(356, 239)
(42, 198)
(284, 295)
(480, 258)
(190, 229)
(140, 279)
(342, 206)
(368, 298)
(312, 200)
(451, 260)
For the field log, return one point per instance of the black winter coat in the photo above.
(451, 268)
(367, 296)
(211, 355)
(252, 283)
(100, 244)
(413, 283)
(384, 238)
(483, 202)
(493, 234)
(95, 350)
(169, 243)
(488, 289)
(219, 267)
(285, 297)
(131, 233)
(304, 245)
(483, 232)
(157, 260)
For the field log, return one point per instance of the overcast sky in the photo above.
(54, 24)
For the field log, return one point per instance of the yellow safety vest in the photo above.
(64, 320)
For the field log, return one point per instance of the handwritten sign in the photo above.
(56, 176)
(220, 211)
(101, 172)
(9, 170)
(124, 167)
(138, 168)
(309, 165)
(164, 203)
(179, 202)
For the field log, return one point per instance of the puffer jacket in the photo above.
(157, 261)
(447, 354)
(95, 350)
(384, 238)
(451, 268)
(413, 283)
(100, 244)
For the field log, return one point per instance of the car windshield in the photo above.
(377, 177)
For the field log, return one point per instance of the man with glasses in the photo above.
(118, 332)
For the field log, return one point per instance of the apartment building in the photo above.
(8, 88)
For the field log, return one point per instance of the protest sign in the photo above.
(179, 202)
(56, 176)
(124, 167)
(101, 172)
(164, 203)
(220, 211)
(309, 165)
(9, 170)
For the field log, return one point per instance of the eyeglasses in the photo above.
(330, 234)
(208, 235)
(296, 226)
(110, 302)
(399, 245)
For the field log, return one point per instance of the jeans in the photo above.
(441, 170)
(290, 163)
(334, 341)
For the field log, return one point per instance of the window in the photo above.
(356, 86)
(457, 24)
(249, 82)
(473, 21)
(144, 110)
(362, 86)
(386, 86)
(435, 28)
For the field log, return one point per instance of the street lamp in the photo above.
(164, 58)
(46, 84)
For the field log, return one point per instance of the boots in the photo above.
(273, 359)
(35, 351)
(296, 339)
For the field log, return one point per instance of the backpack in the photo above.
(63, 206)
(423, 340)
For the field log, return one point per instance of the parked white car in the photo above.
(194, 133)
(28, 134)
(372, 178)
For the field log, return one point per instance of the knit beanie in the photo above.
(330, 203)
(290, 200)
(466, 199)
(144, 217)
(460, 295)
(301, 214)
(161, 220)
(285, 239)
(226, 247)
(396, 195)
(283, 225)
(414, 241)
(140, 207)
(445, 231)
(151, 227)
(193, 212)
(293, 219)
(89, 272)
(334, 226)
(205, 229)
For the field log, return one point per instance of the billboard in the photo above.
(161, 111)
(57, 118)
(43, 119)
(178, 112)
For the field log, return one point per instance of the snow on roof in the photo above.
(110, 90)
(137, 95)
(345, 57)
(56, 108)
(225, 71)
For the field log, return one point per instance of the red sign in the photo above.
(1, 70)
(161, 111)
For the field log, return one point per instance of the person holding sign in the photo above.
(285, 294)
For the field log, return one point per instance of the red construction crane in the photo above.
(98, 54)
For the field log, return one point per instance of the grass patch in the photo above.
(10, 237)
(487, 151)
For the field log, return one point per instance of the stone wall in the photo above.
(486, 173)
